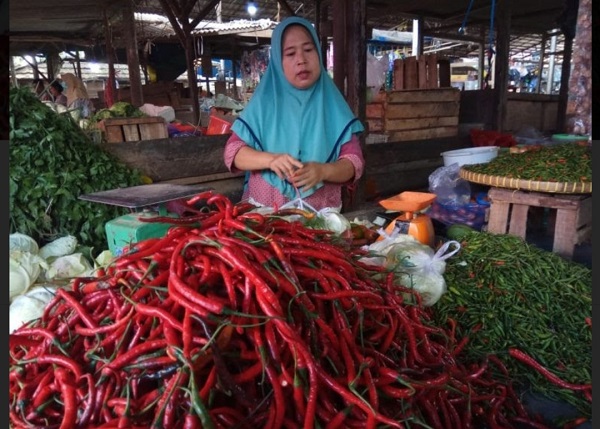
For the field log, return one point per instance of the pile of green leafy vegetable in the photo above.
(120, 109)
(52, 163)
(524, 297)
(563, 162)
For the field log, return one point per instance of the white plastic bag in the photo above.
(376, 71)
(419, 268)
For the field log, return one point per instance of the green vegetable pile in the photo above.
(52, 163)
(120, 109)
(564, 163)
(524, 297)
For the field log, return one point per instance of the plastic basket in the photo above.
(217, 126)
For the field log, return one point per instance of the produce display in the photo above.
(240, 319)
(504, 294)
(564, 162)
(52, 163)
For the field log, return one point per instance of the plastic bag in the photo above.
(376, 71)
(449, 188)
(419, 268)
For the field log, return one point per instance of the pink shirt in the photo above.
(329, 195)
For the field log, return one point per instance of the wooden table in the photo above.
(509, 210)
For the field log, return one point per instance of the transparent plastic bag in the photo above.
(449, 188)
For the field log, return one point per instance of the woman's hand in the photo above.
(314, 173)
(284, 165)
(310, 175)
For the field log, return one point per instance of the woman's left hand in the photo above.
(310, 175)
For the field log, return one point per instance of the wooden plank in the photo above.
(538, 199)
(398, 74)
(166, 159)
(430, 133)
(411, 79)
(584, 216)
(518, 220)
(153, 131)
(375, 110)
(114, 134)
(204, 178)
(379, 97)
(498, 219)
(432, 71)
(131, 132)
(411, 124)
(375, 124)
(435, 95)
(565, 235)
(421, 110)
(128, 121)
(422, 72)
(444, 73)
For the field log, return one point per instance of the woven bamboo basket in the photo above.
(527, 185)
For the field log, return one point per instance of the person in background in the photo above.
(56, 91)
(297, 137)
(41, 90)
(77, 96)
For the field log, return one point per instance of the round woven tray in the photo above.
(527, 185)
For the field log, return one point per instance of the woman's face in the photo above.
(301, 65)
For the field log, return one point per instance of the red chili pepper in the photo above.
(132, 353)
(81, 312)
(69, 399)
(528, 360)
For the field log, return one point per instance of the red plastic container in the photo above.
(217, 126)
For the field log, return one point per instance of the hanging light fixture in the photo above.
(252, 9)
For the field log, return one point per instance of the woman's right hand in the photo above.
(284, 165)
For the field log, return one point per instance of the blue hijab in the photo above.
(310, 124)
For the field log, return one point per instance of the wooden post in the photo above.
(339, 44)
(133, 61)
(579, 106)
(481, 57)
(110, 91)
(356, 95)
(502, 58)
(78, 64)
(563, 93)
(540, 66)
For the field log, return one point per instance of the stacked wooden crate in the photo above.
(415, 114)
(425, 72)
(118, 130)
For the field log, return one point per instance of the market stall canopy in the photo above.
(36, 24)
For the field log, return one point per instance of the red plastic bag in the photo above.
(491, 138)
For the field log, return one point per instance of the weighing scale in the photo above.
(145, 201)
(404, 218)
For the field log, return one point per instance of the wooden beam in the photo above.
(110, 90)
(133, 60)
(356, 90)
(287, 7)
(339, 44)
(502, 57)
(203, 13)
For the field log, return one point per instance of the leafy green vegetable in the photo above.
(53, 162)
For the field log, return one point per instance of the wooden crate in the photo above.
(117, 130)
(418, 114)
(510, 208)
(425, 72)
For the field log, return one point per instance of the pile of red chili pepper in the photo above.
(235, 319)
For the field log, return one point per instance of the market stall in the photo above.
(224, 315)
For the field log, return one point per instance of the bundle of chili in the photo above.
(249, 321)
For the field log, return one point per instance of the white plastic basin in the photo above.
(472, 155)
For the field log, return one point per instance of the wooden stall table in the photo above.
(511, 199)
